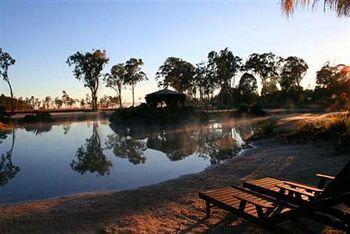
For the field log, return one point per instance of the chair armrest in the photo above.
(303, 186)
(252, 201)
(294, 190)
(323, 176)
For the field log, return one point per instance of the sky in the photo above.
(42, 34)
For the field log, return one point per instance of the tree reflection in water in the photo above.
(90, 156)
(177, 144)
(125, 146)
(7, 169)
(38, 129)
(216, 142)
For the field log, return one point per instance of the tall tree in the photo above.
(225, 65)
(115, 80)
(292, 72)
(88, 67)
(266, 66)
(5, 62)
(342, 7)
(176, 73)
(134, 74)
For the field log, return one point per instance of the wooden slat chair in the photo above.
(296, 192)
(267, 211)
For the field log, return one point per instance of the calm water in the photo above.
(54, 160)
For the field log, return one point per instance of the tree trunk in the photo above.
(120, 98)
(133, 96)
(94, 101)
(8, 82)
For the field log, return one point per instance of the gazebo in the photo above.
(169, 97)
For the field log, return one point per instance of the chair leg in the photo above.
(207, 209)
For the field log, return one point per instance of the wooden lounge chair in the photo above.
(268, 211)
(296, 192)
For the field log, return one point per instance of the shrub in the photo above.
(38, 117)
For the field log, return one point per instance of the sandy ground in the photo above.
(173, 206)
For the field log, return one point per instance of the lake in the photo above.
(51, 160)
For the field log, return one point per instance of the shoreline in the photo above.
(173, 205)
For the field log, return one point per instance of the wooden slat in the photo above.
(314, 189)
(295, 190)
(325, 176)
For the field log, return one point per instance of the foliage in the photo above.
(335, 133)
(265, 128)
(177, 74)
(292, 72)
(266, 66)
(116, 79)
(10, 104)
(134, 75)
(144, 115)
(88, 67)
(5, 62)
(342, 7)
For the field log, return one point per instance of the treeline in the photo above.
(223, 80)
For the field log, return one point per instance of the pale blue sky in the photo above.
(41, 34)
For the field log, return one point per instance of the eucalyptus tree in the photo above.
(225, 65)
(134, 75)
(88, 67)
(292, 72)
(176, 73)
(116, 79)
(5, 62)
(341, 7)
(266, 66)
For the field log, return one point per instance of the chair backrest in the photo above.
(340, 185)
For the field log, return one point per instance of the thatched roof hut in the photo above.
(169, 97)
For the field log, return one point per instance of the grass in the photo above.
(333, 132)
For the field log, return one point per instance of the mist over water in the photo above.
(48, 160)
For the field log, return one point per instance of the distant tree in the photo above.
(177, 74)
(134, 75)
(292, 72)
(58, 102)
(115, 80)
(88, 67)
(342, 7)
(5, 62)
(68, 101)
(47, 102)
(247, 85)
(266, 66)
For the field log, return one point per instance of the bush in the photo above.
(335, 133)
(4, 116)
(144, 115)
(38, 117)
(265, 128)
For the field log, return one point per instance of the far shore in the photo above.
(174, 206)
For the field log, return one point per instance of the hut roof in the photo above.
(165, 92)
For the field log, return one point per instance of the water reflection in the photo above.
(38, 129)
(90, 156)
(216, 142)
(7, 169)
(124, 146)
